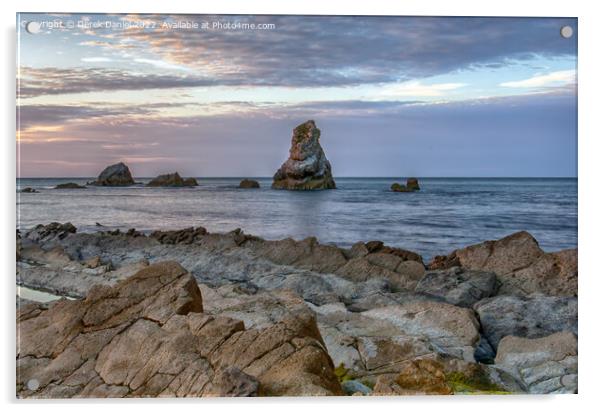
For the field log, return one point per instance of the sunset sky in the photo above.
(393, 96)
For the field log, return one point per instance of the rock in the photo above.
(172, 180)
(520, 265)
(115, 175)
(453, 329)
(458, 286)
(553, 274)
(307, 167)
(412, 183)
(528, 317)
(69, 185)
(148, 336)
(185, 236)
(190, 181)
(410, 186)
(249, 184)
(52, 230)
(352, 387)
(92, 262)
(545, 365)
(28, 190)
(419, 377)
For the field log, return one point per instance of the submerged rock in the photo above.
(307, 167)
(172, 180)
(115, 175)
(249, 184)
(69, 185)
(149, 336)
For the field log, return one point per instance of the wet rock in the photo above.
(545, 365)
(115, 175)
(148, 336)
(307, 167)
(69, 185)
(528, 317)
(172, 180)
(458, 286)
(249, 184)
(184, 236)
(28, 190)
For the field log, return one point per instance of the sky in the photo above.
(220, 95)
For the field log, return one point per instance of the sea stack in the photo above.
(307, 167)
(115, 175)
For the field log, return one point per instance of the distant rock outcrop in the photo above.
(410, 186)
(307, 167)
(69, 185)
(115, 175)
(172, 180)
(249, 184)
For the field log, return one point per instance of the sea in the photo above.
(446, 214)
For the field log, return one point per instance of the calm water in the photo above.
(445, 215)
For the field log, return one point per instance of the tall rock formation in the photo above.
(307, 167)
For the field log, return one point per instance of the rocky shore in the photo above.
(193, 313)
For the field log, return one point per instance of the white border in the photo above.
(590, 33)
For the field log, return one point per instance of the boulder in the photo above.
(528, 317)
(115, 175)
(172, 180)
(307, 167)
(148, 336)
(419, 377)
(69, 185)
(521, 266)
(249, 184)
(544, 365)
(458, 286)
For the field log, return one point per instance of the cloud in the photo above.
(558, 78)
(55, 81)
(96, 59)
(322, 51)
(417, 89)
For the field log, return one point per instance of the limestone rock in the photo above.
(528, 317)
(458, 286)
(69, 185)
(307, 167)
(148, 336)
(172, 180)
(249, 184)
(545, 365)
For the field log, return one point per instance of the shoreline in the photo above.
(378, 310)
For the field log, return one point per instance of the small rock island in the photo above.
(410, 186)
(307, 167)
(172, 180)
(115, 175)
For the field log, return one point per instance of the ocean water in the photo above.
(448, 213)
